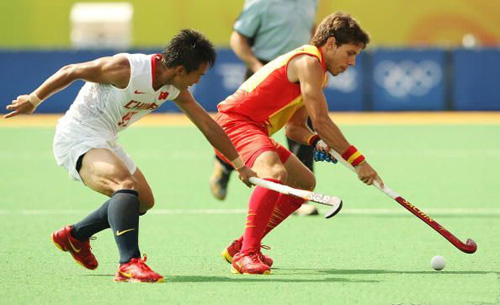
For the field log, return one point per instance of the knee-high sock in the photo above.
(123, 216)
(94, 222)
(284, 207)
(260, 209)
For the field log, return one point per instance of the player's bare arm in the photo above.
(243, 50)
(308, 72)
(297, 129)
(106, 70)
(212, 132)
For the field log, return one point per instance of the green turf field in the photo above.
(373, 252)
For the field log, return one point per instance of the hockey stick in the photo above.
(469, 246)
(331, 201)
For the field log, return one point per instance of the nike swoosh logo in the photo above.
(118, 233)
(139, 92)
(73, 246)
(127, 274)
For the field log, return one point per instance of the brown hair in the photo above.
(343, 27)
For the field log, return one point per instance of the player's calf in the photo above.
(219, 180)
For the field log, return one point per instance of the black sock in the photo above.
(123, 216)
(228, 168)
(95, 222)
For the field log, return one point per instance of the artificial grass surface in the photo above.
(354, 258)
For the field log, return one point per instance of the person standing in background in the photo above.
(265, 30)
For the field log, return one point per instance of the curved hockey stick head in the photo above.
(470, 246)
(334, 210)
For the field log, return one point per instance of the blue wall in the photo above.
(382, 80)
(476, 79)
(22, 72)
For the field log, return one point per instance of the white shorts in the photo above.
(71, 142)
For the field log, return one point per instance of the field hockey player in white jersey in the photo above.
(118, 91)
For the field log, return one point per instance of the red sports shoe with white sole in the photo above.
(136, 270)
(235, 247)
(249, 263)
(80, 250)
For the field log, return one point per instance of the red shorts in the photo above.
(250, 138)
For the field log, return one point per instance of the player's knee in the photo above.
(147, 204)
(279, 173)
(127, 183)
(310, 183)
(305, 181)
(123, 182)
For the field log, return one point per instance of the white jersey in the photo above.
(100, 111)
(103, 108)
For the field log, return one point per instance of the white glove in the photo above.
(321, 146)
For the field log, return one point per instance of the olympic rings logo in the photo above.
(408, 77)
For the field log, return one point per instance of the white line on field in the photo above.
(401, 211)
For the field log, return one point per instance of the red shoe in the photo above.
(80, 250)
(249, 264)
(136, 270)
(235, 247)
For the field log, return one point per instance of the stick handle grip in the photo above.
(280, 188)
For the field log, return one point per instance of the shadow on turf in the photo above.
(255, 278)
(297, 271)
(243, 278)
(376, 271)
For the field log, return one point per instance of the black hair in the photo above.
(190, 49)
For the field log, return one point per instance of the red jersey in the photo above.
(268, 96)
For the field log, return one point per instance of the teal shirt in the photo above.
(276, 26)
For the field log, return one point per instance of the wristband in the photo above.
(238, 163)
(313, 140)
(353, 156)
(34, 99)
